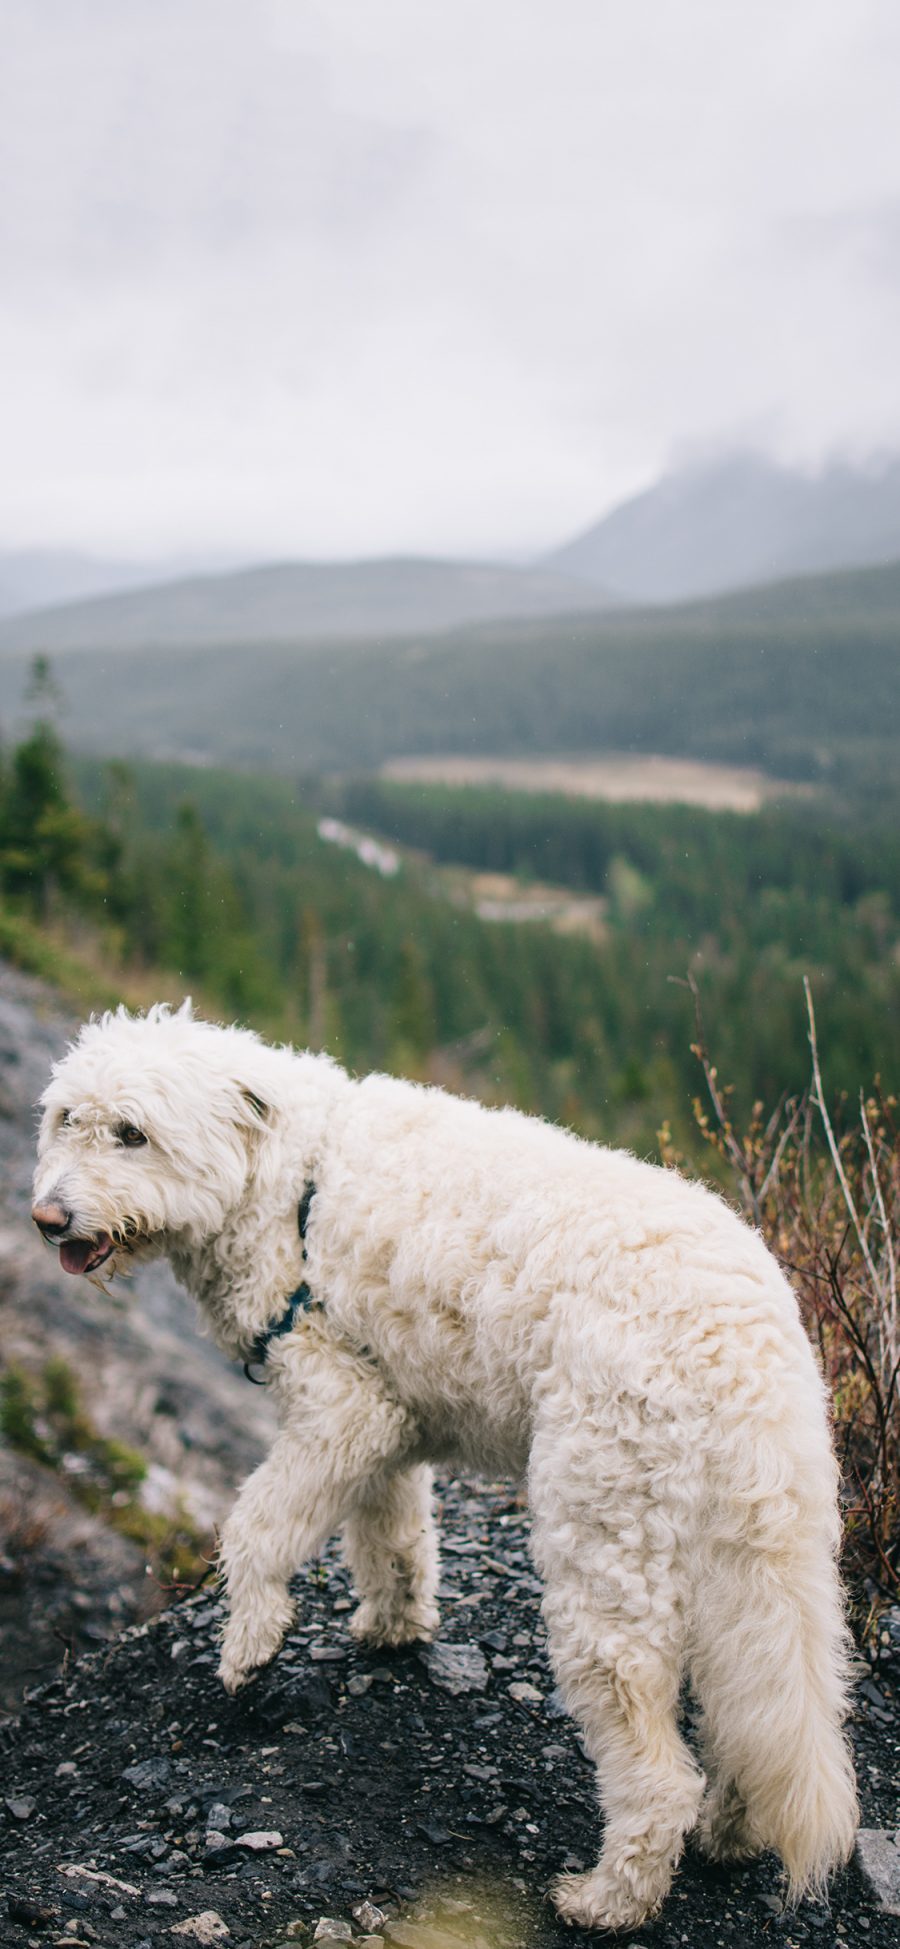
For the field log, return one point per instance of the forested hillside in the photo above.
(803, 680)
(163, 879)
(690, 871)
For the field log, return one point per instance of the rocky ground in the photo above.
(422, 1799)
(68, 1579)
(443, 1789)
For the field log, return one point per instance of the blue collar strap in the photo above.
(301, 1299)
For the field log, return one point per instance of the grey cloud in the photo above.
(390, 273)
(866, 238)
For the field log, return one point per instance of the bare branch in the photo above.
(885, 1227)
(832, 1142)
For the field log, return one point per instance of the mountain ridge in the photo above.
(44, 578)
(295, 601)
(735, 522)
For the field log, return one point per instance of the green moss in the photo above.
(125, 1467)
(43, 1416)
(19, 1415)
(61, 1390)
(178, 1553)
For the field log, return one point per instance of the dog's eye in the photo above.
(65, 1120)
(130, 1135)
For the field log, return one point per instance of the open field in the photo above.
(504, 897)
(621, 777)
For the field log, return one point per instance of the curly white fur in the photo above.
(499, 1295)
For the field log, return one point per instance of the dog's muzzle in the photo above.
(75, 1254)
(51, 1220)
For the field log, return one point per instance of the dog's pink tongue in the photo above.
(75, 1253)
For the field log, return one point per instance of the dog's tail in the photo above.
(772, 1668)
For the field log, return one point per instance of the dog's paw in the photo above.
(723, 1831)
(599, 1900)
(234, 1676)
(250, 1643)
(374, 1623)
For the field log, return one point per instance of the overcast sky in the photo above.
(451, 275)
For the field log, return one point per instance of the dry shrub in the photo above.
(825, 1192)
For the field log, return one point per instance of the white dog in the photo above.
(425, 1280)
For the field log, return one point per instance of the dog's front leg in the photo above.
(340, 1428)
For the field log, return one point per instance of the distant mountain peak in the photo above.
(735, 520)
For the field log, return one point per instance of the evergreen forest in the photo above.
(150, 879)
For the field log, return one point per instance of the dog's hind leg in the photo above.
(390, 1544)
(606, 1486)
(340, 1431)
(624, 1695)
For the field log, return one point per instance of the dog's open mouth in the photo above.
(85, 1254)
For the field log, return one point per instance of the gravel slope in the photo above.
(379, 1783)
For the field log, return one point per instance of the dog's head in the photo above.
(147, 1134)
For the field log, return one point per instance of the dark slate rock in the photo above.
(456, 1668)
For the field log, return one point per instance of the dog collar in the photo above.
(301, 1299)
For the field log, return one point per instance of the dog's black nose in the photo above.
(51, 1220)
